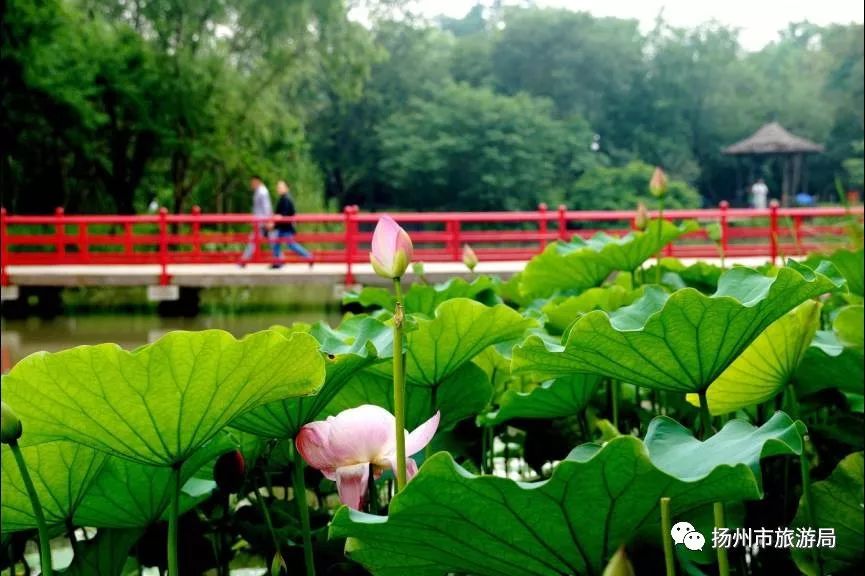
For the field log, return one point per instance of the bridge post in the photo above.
(163, 247)
(563, 224)
(59, 236)
(196, 230)
(542, 224)
(83, 242)
(724, 206)
(773, 230)
(349, 224)
(454, 240)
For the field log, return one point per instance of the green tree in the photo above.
(613, 188)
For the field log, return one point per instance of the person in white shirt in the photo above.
(262, 208)
(759, 194)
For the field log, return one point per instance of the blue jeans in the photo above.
(290, 243)
(250, 246)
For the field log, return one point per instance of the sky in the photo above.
(758, 20)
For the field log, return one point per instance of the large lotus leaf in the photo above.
(127, 494)
(838, 504)
(581, 264)
(460, 330)
(829, 364)
(359, 342)
(448, 520)
(161, 402)
(104, 555)
(680, 342)
(767, 365)
(851, 265)
(464, 393)
(61, 472)
(425, 298)
(562, 311)
(564, 396)
(700, 275)
(848, 325)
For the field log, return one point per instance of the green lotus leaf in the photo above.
(700, 275)
(158, 404)
(848, 325)
(827, 363)
(104, 555)
(448, 520)
(557, 398)
(460, 330)
(681, 342)
(767, 365)
(851, 265)
(561, 311)
(359, 342)
(463, 393)
(581, 264)
(371, 297)
(425, 298)
(62, 472)
(838, 504)
(127, 494)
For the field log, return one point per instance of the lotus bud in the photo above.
(658, 183)
(391, 249)
(619, 564)
(470, 259)
(10, 425)
(641, 220)
(229, 471)
(418, 269)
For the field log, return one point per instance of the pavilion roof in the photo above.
(772, 138)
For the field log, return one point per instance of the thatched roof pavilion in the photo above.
(774, 140)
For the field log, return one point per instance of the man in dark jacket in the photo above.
(284, 229)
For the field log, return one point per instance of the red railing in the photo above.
(198, 238)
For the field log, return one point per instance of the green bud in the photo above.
(619, 565)
(10, 425)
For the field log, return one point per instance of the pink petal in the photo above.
(313, 444)
(361, 434)
(384, 241)
(351, 483)
(421, 436)
(410, 468)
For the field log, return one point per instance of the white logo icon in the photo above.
(685, 533)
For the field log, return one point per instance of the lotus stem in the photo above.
(399, 386)
(705, 415)
(41, 525)
(660, 235)
(809, 505)
(615, 393)
(266, 513)
(303, 511)
(723, 561)
(73, 541)
(666, 539)
(173, 521)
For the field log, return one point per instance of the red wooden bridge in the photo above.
(199, 249)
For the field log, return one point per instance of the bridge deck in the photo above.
(208, 275)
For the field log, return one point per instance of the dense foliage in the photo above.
(107, 105)
(563, 405)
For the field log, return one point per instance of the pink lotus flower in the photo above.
(344, 446)
(391, 249)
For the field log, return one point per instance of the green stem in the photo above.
(660, 235)
(73, 541)
(705, 415)
(371, 491)
(173, 521)
(42, 526)
(303, 510)
(809, 505)
(615, 392)
(723, 561)
(268, 522)
(484, 451)
(666, 539)
(399, 386)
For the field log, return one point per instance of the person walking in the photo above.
(759, 194)
(261, 208)
(284, 229)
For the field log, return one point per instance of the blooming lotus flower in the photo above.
(658, 183)
(470, 259)
(391, 249)
(344, 446)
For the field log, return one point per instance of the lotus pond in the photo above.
(603, 412)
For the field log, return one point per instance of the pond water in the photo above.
(23, 337)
